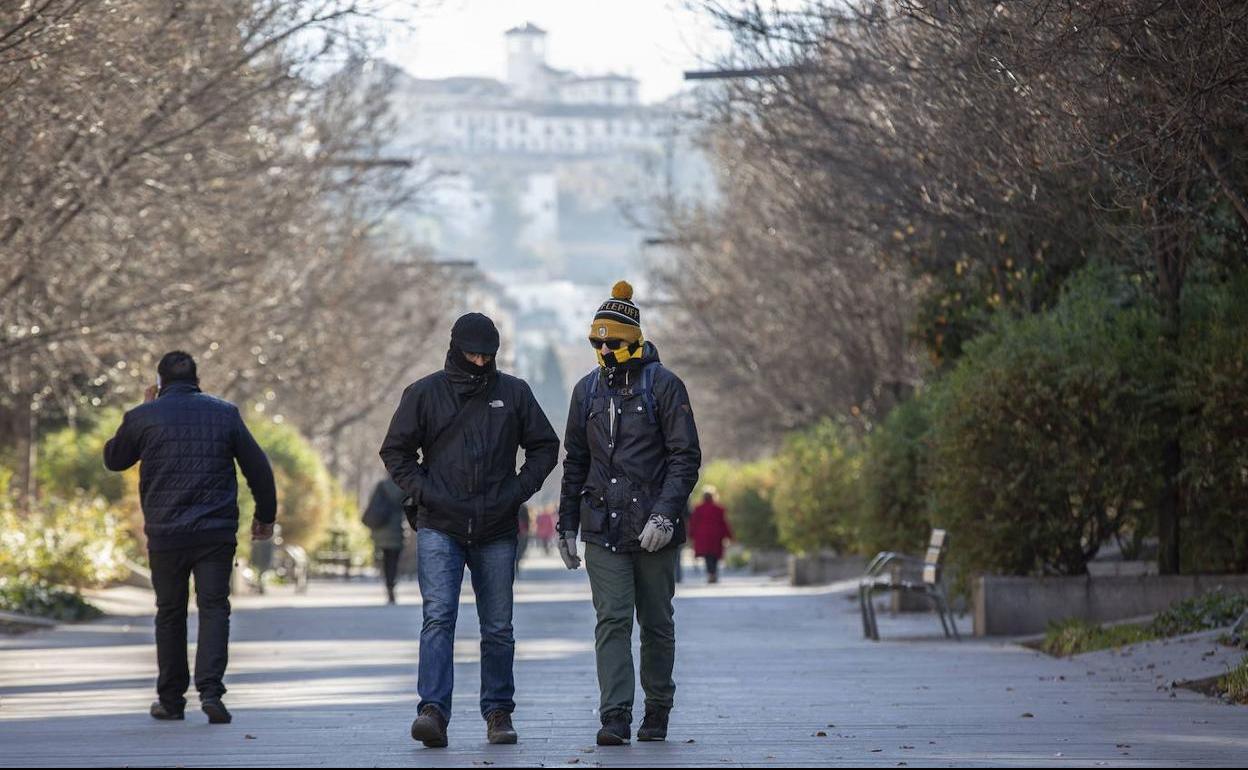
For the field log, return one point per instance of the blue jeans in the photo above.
(440, 565)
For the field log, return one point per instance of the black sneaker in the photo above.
(216, 711)
(430, 728)
(616, 729)
(166, 713)
(498, 728)
(654, 726)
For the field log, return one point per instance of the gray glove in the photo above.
(657, 533)
(567, 550)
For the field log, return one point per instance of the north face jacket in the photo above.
(464, 483)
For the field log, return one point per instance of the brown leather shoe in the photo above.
(498, 728)
(430, 728)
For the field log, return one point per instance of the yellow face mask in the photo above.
(608, 358)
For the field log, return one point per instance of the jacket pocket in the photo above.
(593, 512)
(639, 510)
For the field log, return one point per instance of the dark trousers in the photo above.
(624, 585)
(171, 573)
(390, 565)
(712, 565)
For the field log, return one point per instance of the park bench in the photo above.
(890, 571)
(335, 552)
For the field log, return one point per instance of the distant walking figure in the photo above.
(186, 443)
(709, 529)
(384, 519)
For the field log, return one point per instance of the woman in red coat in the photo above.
(709, 529)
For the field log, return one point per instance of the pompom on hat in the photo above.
(617, 318)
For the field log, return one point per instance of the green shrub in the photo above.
(1045, 436)
(44, 601)
(305, 491)
(894, 482)
(1214, 398)
(71, 465)
(1215, 609)
(818, 489)
(71, 460)
(1234, 686)
(745, 490)
(1074, 637)
(76, 543)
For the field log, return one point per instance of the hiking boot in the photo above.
(430, 728)
(498, 728)
(616, 729)
(166, 713)
(654, 726)
(216, 711)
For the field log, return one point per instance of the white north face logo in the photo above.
(496, 404)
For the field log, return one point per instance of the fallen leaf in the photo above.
(1027, 715)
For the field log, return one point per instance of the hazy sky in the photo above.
(653, 40)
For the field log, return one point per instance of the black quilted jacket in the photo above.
(187, 443)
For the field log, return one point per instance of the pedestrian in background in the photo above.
(384, 519)
(709, 528)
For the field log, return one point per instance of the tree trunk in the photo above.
(24, 424)
(1170, 273)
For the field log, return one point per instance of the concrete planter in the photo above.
(765, 562)
(823, 568)
(1018, 606)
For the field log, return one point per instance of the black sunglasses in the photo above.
(611, 344)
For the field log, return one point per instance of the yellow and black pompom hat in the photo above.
(618, 318)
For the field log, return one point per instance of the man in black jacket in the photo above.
(187, 443)
(632, 459)
(452, 448)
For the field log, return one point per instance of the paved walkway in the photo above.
(767, 675)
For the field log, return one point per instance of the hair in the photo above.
(177, 366)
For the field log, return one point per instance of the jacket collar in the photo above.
(180, 387)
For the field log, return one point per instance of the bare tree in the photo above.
(190, 175)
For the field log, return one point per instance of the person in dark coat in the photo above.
(452, 448)
(632, 460)
(384, 518)
(187, 443)
(708, 528)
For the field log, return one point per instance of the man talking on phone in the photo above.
(186, 443)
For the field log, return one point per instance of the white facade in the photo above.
(538, 110)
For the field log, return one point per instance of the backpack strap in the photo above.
(645, 390)
(594, 378)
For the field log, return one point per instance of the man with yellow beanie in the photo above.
(632, 461)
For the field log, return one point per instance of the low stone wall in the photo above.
(763, 562)
(1019, 606)
(823, 568)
